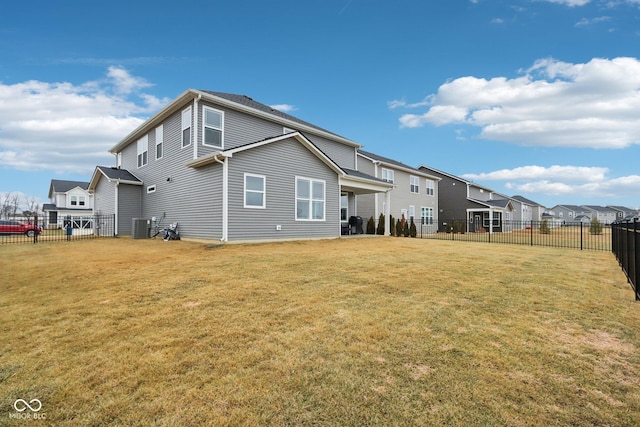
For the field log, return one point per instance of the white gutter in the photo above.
(225, 198)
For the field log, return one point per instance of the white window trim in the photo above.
(389, 173)
(429, 210)
(264, 191)
(286, 130)
(412, 213)
(346, 207)
(151, 189)
(73, 200)
(413, 178)
(311, 199)
(188, 126)
(159, 141)
(431, 187)
(142, 147)
(204, 126)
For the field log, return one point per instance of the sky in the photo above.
(538, 98)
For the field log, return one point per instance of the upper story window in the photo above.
(186, 127)
(159, 141)
(310, 199)
(254, 191)
(430, 187)
(414, 183)
(143, 151)
(78, 201)
(213, 127)
(387, 175)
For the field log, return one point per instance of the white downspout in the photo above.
(117, 216)
(225, 198)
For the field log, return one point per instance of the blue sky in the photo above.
(539, 98)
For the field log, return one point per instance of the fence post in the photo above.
(581, 234)
(636, 241)
(531, 232)
(35, 223)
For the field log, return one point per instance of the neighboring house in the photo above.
(415, 193)
(461, 200)
(623, 212)
(530, 210)
(224, 166)
(570, 213)
(69, 199)
(602, 214)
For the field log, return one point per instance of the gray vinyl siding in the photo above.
(280, 162)
(241, 128)
(104, 200)
(365, 203)
(129, 206)
(479, 193)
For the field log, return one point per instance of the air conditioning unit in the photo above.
(141, 228)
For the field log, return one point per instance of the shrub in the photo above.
(406, 229)
(371, 226)
(381, 225)
(595, 227)
(413, 231)
(399, 228)
(544, 227)
(392, 225)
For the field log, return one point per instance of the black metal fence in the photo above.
(574, 235)
(71, 228)
(625, 237)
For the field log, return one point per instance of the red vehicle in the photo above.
(17, 227)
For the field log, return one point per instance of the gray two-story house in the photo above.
(226, 167)
(479, 208)
(414, 196)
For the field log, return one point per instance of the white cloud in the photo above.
(579, 181)
(64, 127)
(570, 3)
(584, 22)
(553, 104)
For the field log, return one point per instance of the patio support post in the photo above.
(387, 216)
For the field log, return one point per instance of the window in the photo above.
(426, 216)
(344, 207)
(414, 183)
(430, 187)
(151, 189)
(254, 191)
(78, 201)
(159, 141)
(143, 149)
(387, 175)
(310, 194)
(213, 120)
(412, 213)
(186, 127)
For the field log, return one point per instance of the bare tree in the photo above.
(32, 205)
(9, 204)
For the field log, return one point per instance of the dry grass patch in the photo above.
(379, 331)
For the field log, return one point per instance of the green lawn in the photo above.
(364, 331)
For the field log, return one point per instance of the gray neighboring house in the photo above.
(226, 167)
(461, 200)
(415, 193)
(69, 199)
(529, 210)
(623, 212)
(601, 213)
(570, 213)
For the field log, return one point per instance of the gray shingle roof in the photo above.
(249, 102)
(62, 186)
(116, 173)
(525, 200)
